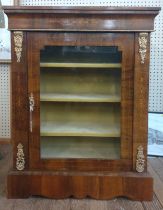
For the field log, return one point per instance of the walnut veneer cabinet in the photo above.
(80, 101)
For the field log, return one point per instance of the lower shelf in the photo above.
(80, 147)
(79, 97)
(61, 185)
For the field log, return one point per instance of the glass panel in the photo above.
(80, 54)
(80, 95)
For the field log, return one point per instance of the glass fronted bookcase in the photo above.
(80, 102)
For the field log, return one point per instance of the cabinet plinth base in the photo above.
(95, 185)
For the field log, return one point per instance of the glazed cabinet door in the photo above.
(80, 89)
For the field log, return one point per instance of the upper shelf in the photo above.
(82, 65)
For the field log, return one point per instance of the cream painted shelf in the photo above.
(79, 97)
(81, 65)
(79, 129)
(80, 119)
(80, 86)
(80, 147)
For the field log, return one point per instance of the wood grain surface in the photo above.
(75, 204)
(81, 18)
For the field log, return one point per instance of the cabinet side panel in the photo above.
(19, 98)
(140, 124)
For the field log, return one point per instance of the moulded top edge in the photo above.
(83, 9)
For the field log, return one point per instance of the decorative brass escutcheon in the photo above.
(140, 160)
(31, 109)
(143, 40)
(18, 40)
(20, 161)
